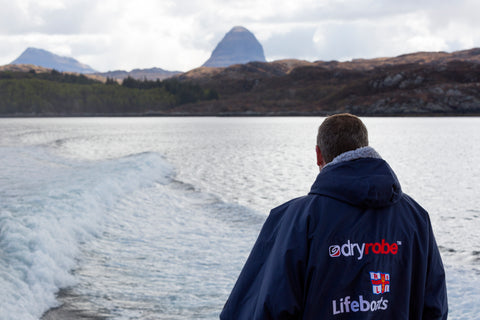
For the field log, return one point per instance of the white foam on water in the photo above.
(167, 251)
(49, 207)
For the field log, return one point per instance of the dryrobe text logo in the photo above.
(350, 249)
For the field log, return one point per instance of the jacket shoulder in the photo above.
(293, 206)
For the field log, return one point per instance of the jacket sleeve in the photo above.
(270, 285)
(435, 300)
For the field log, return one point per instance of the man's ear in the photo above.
(320, 161)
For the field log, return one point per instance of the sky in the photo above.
(180, 35)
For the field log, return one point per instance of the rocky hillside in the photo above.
(414, 84)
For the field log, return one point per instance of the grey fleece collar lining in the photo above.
(364, 152)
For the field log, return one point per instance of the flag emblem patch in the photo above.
(380, 282)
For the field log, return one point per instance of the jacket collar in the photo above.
(364, 152)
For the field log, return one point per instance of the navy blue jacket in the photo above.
(355, 247)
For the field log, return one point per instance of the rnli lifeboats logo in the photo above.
(380, 282)
(350, 304)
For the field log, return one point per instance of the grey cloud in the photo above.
(33, 17)
(339, 41)
(357, 40)
(13, 19)
(297, 43)
(76, 18)
(345, 11)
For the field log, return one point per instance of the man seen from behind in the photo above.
(355, 247)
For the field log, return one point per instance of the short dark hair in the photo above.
(341, 133)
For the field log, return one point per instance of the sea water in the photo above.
(153, 218)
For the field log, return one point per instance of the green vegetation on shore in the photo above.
(63, 94)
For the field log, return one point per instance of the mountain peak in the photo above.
(239, 29)
(46, 59)
(238, 46)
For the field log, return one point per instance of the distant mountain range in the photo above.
(39, 58)
(237, 47)
(46, 59)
